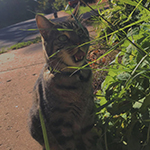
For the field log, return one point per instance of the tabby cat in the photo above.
(64, 95)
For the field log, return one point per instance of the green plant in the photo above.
(123, 102)
(44, 130)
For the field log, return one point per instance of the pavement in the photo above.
(19, 69)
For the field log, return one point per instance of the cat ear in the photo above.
(76, 11)
(44, 25)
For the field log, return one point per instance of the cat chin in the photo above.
(80, 63)
(71, 67)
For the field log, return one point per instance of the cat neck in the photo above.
(83, 74)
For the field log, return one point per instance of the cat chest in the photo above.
(67, 118)
(69, 106)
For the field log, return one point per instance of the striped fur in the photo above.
(64, 95)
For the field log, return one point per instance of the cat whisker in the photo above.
(56, 68)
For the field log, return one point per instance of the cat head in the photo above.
(63, 43)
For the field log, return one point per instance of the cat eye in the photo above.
(63, 38)
(82, 33)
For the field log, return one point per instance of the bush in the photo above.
(123, 102)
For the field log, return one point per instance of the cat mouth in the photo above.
(78, 56)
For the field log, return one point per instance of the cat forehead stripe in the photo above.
(70, 25)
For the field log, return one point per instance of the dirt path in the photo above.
(19, 70)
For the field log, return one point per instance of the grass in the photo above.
(3, 50)
(20, 45)
(24, 44)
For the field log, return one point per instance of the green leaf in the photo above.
(138, 104)
(44, 130)
(123, 76)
